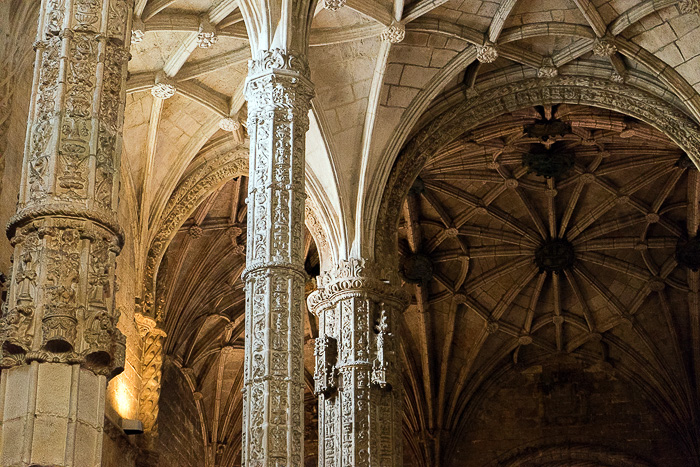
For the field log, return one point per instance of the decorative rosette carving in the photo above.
(394, 33)
(604, 47)
(229, 124)
(334, 5)
(487, 53)
(547, 72)
(206, 36)
(138, 31)
(616, 77)
(163, 90)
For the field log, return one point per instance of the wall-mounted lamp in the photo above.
(132, 427)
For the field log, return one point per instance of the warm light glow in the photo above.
(123, 399)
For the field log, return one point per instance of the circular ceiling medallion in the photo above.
(555, 255)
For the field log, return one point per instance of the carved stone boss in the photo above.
(357, 376)
(61, 304)
(279, 93)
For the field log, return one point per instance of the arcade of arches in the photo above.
(426, 233)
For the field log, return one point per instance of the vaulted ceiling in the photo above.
(518, 257)
(478, 230)
(372, 95)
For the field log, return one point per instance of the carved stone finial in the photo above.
(394, 33)
(487, 53)
(333, 5)
(689, 6)
(604, 47)
(206, 36)
(229, 124)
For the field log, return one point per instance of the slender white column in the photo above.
(279, 93)
(58, 337)
(357, 376)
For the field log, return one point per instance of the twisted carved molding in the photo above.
(491, 103)
(61, 305)
(279, 92)
(187, 196)
(151, 372)
(358, 376)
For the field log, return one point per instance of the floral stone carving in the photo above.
(279, 94)
(358, 311)
(61, 305)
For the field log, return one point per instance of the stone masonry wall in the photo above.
(541, 407)
(180, 435)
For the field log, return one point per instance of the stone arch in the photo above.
(491, 103)
(583, 455)
(190, 193)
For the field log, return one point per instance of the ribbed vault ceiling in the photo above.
(370, 94)
(607, 288)
(511, 267)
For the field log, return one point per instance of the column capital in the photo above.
(356, 276)
(147, 326)
(278, 79)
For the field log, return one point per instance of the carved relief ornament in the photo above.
(61, 305)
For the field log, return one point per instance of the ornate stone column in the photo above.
(279, 93)
(358, 375)
(58, 338)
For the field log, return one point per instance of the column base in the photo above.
(51, 414)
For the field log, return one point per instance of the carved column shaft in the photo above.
(279, 93)
(60, 317)
(358, 377)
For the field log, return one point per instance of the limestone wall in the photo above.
(543, 408)
(180, 436)
(15, 90)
